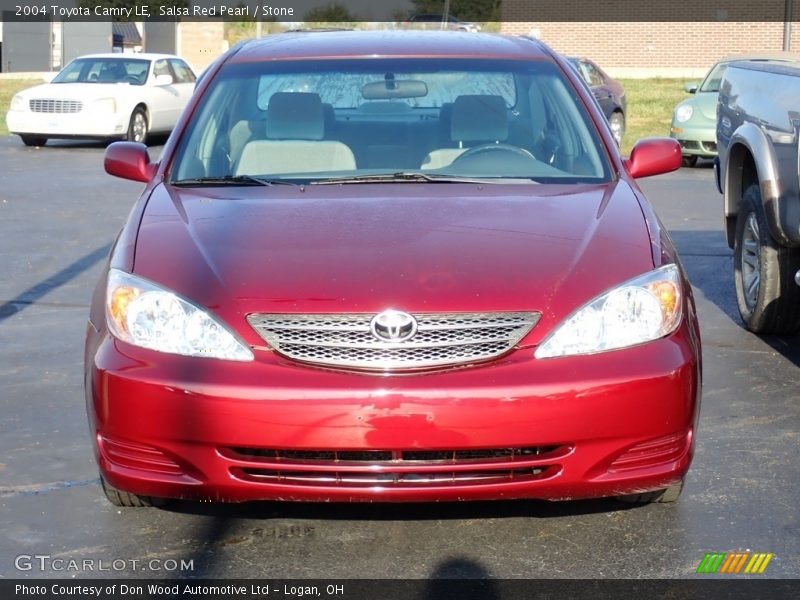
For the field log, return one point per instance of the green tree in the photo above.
(332, 15)
(466, 10)
(236, 31)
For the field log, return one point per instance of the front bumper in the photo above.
(55, 125)
(613, 423)
(695, 141)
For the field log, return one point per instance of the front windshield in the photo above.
(333, 119)
(104, 70)
(713, 79)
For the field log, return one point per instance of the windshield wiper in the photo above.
(400, 177)
(238, 180)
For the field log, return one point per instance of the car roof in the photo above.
(129, 55)
(375, 44)
(777, 55)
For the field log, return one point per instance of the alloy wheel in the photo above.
(751, 262)
(138, 127)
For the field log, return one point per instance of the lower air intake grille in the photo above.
(394, 468)
(394, 456)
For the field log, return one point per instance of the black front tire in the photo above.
(767, 295)
(666, 496)
(689, 160)
(137, 126)
(127, 500)
(33, 140)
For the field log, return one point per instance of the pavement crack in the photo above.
(24, 302)
(733, 348)
(34, 489)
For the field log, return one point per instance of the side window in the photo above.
(183, 74)
(161, 68)
(137, 70)
(593, 76)
(583, 69)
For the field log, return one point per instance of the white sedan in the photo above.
(104, 96)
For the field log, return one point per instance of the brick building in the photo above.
(678, 38)
(200, 42)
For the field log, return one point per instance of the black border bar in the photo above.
(702, 587)
(394, 11)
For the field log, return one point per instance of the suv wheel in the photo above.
(768, 298)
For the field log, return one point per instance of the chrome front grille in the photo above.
(347, 340)
(46, 105)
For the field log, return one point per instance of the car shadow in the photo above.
(221, 523)
(34, 293)
(702, 164)
(153, 140)
(54, 144)
(415, 511)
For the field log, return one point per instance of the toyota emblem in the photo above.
(393, 326)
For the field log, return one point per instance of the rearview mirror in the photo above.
(691, 88)
(654, 156)
(391, 89)
(129, 160)
(162, 80)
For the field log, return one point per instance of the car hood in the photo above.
(74, 91)
(414, 247)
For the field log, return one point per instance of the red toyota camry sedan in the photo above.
(392, 266)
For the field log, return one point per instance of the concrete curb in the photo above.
(42, 76)
(656, 72)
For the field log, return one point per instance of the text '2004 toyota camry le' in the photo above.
(392, 266)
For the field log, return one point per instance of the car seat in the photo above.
(476, 119)
(295, 129)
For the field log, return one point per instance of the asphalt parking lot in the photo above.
(59, 214)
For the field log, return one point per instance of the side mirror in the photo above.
(162, 80)
(691, 88)
(129, 160)
(654, 156)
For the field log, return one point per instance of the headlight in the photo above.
(105, 105)
(683, 113)
(17, 103)
(643, 309)
(143, 314)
